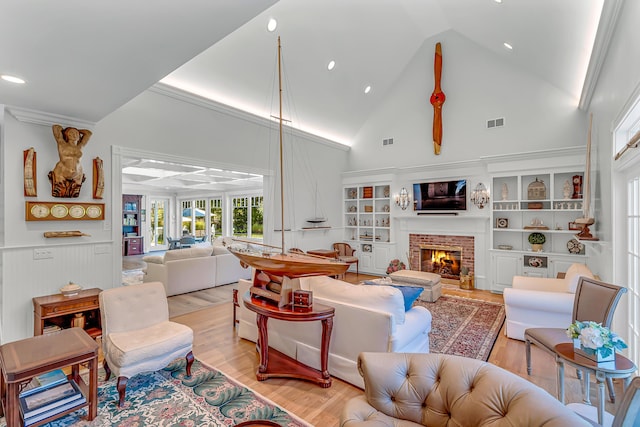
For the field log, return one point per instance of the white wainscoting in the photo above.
(23, 277)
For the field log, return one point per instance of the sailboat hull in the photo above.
(291, 265)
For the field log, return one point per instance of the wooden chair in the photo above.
(595, 301)
(345, 254)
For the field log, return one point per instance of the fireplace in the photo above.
(440, 259)
(441, 254)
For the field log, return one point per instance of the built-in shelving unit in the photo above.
(367, 224)
(131, 225)
(547, 202)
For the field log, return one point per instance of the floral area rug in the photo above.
(168, 398)
(464, 326)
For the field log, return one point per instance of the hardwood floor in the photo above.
(217, 344)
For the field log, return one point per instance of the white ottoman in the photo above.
(430, 282)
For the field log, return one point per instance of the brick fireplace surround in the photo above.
(465, 242)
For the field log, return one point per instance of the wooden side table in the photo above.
(621, 368)
(22, 360)
(59, 310)
(275, 364)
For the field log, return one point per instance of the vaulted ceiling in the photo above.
(85, 59)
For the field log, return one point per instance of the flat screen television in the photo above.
(440, 196)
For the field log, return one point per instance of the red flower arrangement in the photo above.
(395, 265)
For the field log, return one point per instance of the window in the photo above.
(626, 220)
(215, 217)
(633, 265)
(248, 216)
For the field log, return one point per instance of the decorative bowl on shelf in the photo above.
(505, 247)
(70, 290)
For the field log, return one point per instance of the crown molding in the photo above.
(608, 20)
(26, 115)
(200, 101)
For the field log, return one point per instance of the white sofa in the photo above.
(367, 318)
(199, 267)
(534, 302)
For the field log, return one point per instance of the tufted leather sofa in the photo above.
(412, 390)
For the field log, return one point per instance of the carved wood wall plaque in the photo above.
(30, 182)
(61, 211)
(98, 178)
(74, 233)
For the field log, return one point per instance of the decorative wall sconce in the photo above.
(402, 199)
(480, 195)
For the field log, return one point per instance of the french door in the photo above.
(158, 232)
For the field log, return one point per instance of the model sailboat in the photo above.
(291, 265)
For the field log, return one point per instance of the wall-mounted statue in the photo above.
(67, 177)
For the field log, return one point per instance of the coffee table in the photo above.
(620, 368)
(275, 364)
(22, 360)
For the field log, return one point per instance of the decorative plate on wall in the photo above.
(575, 247)
(61, 211)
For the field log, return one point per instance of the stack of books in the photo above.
(47, 395)
(50, 329)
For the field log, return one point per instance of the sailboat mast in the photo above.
(586, 190)
(281, 157)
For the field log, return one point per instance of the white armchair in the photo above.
(534, 302)
(137, 335)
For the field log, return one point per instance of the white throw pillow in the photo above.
(573, 274)
(381, 298)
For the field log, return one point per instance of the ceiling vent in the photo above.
(388, 141)
(495, 123)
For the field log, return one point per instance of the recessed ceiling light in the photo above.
(271, 26)
(367, 89)
(507, 46)
(498, 1)
(331, 65)
(12, 79)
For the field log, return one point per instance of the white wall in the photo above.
(87, 261)
(158, 123)
(151, 122)
(618, 80)
(478, 86)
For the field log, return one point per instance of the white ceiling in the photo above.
(84, 59)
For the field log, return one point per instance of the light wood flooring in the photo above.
(217, 344)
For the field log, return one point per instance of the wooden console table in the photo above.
(59, 310)
(22, 360)
(275, 364)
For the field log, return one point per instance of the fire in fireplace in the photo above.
(443, 260)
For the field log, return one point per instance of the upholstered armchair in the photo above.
(413, 389)
(534, 302)
(346, 254)
(137, 335)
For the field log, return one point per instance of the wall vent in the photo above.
(495, 123)
(387, 141)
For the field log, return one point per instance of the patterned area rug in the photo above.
(168, 398)
(464, 326)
